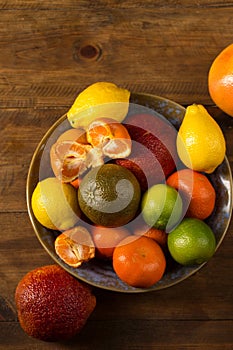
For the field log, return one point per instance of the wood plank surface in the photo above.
(43, 45)
(50, 51)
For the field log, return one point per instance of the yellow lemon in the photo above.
(101, 99)
(200, 142)
(55, 204)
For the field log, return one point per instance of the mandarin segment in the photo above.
(69, 159)
(110, 136)
(75, 246)
(98, 133)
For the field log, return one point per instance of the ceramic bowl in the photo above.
(100, 273)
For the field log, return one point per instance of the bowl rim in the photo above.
(38, 149)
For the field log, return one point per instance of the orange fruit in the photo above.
(99, 132)
(159, 236)
(74, 134)
(111, 136)
(139, 262)
(63, 145)
(196, 189)
(75, 183)
(71, 155)
(220, 80)
(75, 246)
(52, 305)
(106, 239)
(68, 159)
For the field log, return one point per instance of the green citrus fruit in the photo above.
(161, 207)
(55, 204)
(191, 242)
(109, 195)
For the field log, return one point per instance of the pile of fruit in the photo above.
(140, 190)
(129, 188)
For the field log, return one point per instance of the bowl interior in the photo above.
(100, 273)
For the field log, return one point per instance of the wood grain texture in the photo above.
(50, 51)
(153, 335)
(173, 48)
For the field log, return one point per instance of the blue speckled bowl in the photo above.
(99, 273)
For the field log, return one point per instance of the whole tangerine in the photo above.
(107, 238)
(220, 80)
(139, 262)
(197, 190)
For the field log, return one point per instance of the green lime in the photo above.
(191, 242)
(161, 207)
(109, 195)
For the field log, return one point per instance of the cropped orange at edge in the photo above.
(220, 80)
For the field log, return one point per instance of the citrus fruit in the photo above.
(99, 99)
(52, 305)
(107, 238)
(153, 156)
(191, 242)
(220, 80)
(139, 262)
(75, 246)
(200, 142)
(55, 204)
(109, 195)
(73, 134)
(75, 183)
(110, 136)
(159, 236)
(161, 207)
(69, 159)
(64, 147)
(196, 189)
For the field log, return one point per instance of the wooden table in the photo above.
(50, 51)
